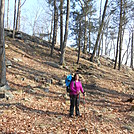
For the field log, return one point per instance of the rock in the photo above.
(18, 35)
(46, 90)
(9, 67)
(63, 104)
(2, 94)
(8, 63)
(36, 79)
(66, 67)
(6, 46)
(62, 82)
(17, 59)
(8, 95)
(5, 87)
(98, 62)
(53, 64)
(127, 127)
(49, 81)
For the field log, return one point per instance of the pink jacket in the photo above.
(76, 87)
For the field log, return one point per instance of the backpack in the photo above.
(68, 80)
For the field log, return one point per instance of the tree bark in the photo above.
(121, 38)
(79, 42)
(18, 15)
(99, 32)
(89, 34)
(132, 51)
(62, 58)
(61, 24)
(2, 46)
(54, 30)
(8, 15)
(50, 39)
(14, 19)
(85, 36)
(117, 49)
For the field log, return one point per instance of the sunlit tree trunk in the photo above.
(62, 57)
(18, 16)
(2, 46)
(14, 19)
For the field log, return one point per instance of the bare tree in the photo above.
(14, 22)
(50, 38)
(99, 32)
(79, 42)
(61, 24)
(8, 15)
(132, 50)
(55, 27)
(18, 16)
(2, 45)
(62, 57)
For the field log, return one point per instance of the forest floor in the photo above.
(41, 106)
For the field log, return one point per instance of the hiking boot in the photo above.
(71, 116)
(78, 115)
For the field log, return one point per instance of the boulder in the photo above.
(53, 64)
(8, 63)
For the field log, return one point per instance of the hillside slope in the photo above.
(40, 104)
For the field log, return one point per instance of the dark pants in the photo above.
(74, 101)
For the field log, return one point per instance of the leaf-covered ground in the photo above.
(41, 105)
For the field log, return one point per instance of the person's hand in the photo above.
(78, 92)
(83, 93)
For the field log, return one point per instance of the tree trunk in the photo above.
(85, 36)
(79, 42)
(54, 30)
(18, 15)
(50, 39)
(62, 58)
(89, 34)
(99, 32)
(132, 50)
(8, 15)
(14, 19)
(2, 46)
(56, 26)
(61, 24)
(121, 37)
(117, 49)
(102, 44)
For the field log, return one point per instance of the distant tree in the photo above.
(2, 45)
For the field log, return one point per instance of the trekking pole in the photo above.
(84, 105)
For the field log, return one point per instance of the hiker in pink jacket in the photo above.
(75, 87)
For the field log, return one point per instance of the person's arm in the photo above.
(72, 86)
(81, 88)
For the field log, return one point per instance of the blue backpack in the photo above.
(68, 81)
